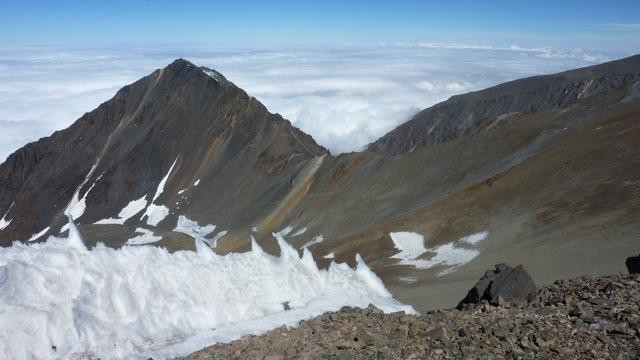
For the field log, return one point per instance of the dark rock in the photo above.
(344, 344)
(510, 284)
(620, 328)
(499, 332)
(633, 264)
(374, 310)
(539, 341)
(438, 333)
(464, 332)
(500, 301)
(575, 312)
(275, 355)
(596, 301)
(555, 301)
(612, 286)
(588, 318)
(546, 311)
(361, 339)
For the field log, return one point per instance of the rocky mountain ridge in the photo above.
(481, 110)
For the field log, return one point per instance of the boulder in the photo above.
(633, 264)
(438, 333)
(504, 284)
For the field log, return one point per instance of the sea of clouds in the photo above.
(346, 96)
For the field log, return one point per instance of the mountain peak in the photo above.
(181, 67)
(183, 114)
(180, 63)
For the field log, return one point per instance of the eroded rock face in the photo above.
(502, 284)
(633, 264)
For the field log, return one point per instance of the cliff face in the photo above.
(544, 171)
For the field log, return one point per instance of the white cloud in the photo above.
(448, 87)
(345, 96)
(578, 54)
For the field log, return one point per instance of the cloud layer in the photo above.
(344, 96)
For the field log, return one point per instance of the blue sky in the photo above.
(586, 24)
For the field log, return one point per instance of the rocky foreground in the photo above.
(587, 318)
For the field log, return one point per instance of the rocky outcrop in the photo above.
(633, 264)
(586, 318)
(482, 110)
(504, 284)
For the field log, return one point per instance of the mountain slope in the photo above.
(481, 110)
(542, 171)
(183, 114)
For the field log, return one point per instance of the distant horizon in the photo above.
(589, 25)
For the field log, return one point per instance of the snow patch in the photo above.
(330, 255)
(196, 182)
(411, 246)
(127, 212)
(181, 191)
(163, 182)
(448, 255)
(4, 222)
(474, 238)
(214, 75)
(300, 232)
(285, 231)
(214, 242)
(77, 206)
(408, 279)
(316, 240)
(191, 228)
(156, 213)
(38, 235)
(146, 237)
(138, 302)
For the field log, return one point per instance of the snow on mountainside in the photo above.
(182, 170)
